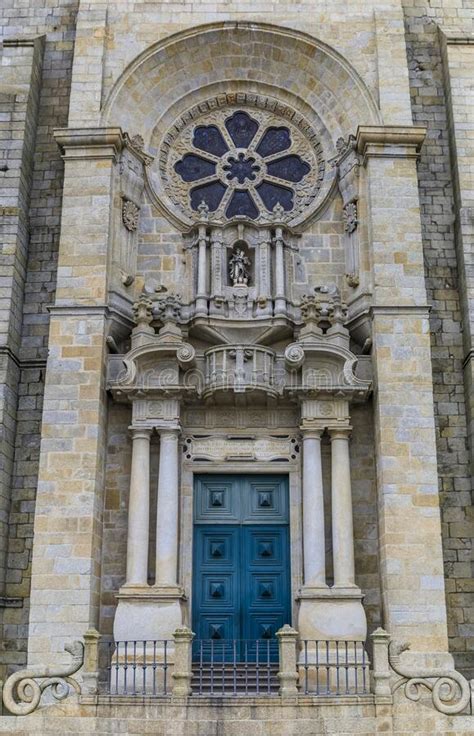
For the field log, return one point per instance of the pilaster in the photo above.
(411, 559)
(68, 520)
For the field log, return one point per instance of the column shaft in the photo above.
(139, 509)
(167, 510)
(280, 301)
(342, 528)
(201, 299)
(313, 512)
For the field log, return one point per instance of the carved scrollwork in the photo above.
(130, 214)
(22, 692)
(294, 356)
(185, 355)
(450, 691)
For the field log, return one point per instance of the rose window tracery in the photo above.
(242, 163)
(242, 156)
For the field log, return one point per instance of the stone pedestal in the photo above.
(332, 613)
(148, 614)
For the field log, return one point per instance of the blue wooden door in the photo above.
(241, 578)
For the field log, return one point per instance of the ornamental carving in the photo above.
(243, 160)
(349, 217)
(130, 214)
(450, 691)
(22, 691)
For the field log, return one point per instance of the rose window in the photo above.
(242, 163)
(247, 162)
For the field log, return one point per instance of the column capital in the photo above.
(140, 432)
(341, 433)
(312, 433)
(170, 431)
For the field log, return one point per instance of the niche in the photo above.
(240, 265)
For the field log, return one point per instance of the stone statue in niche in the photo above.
(239, 268)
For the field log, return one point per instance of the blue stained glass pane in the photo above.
(242, 204)
(273, 194)
(192, 167)
(274, 141)
(211, 194)
(242, 129)
(209, 138)
(291, 168)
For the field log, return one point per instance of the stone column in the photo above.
(167, 510)
(314, 549)
(280, 299)
(342, 528)
(201, 297)
(139, 509)
(155, 611)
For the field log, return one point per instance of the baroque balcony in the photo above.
(240, 369)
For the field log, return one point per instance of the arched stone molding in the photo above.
(190, 72)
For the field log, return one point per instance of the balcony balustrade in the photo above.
(240, 369)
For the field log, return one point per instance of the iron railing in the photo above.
(334, 668)
(136, 668)
(235, 667)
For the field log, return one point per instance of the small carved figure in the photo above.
(239, 265)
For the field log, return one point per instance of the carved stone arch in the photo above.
(191, 75)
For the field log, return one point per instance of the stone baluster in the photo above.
(342, 528)
(167, 510)
(280, 299)
(182, 674)
(139, 508)
(380, 665)
(90, 670)
(287, 674)
(201, 299)
(314, 549)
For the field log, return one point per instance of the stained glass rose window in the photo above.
(249, 165)
(242, 162)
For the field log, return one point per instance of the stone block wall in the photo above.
(55, 20)
(429, 107)
(127, 32)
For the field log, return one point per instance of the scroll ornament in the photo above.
(450, 691)
(22, 692)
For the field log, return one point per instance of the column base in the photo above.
(334, 614)
(148, 613)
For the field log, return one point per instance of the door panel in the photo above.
(241, 499)
(265, 552)
(241, 580)
(216, 582)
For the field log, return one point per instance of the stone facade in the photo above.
(349, 331)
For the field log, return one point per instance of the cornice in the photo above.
(456, 37)
(90, 143)
(390, 140)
